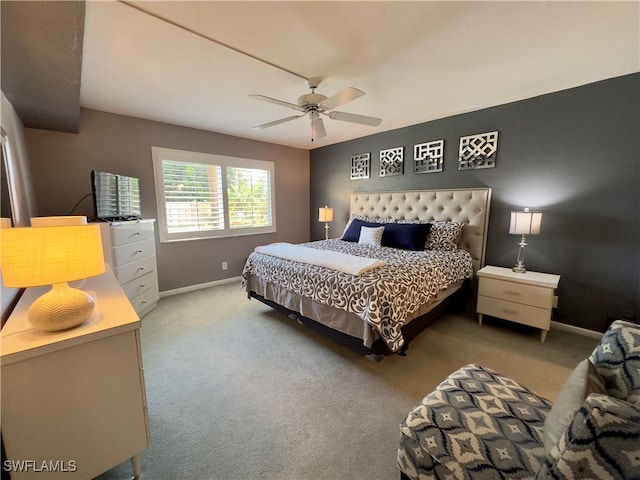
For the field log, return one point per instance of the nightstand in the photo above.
(525, 298)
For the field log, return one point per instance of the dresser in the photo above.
(130, 250)
(74, 402)
(525, 298)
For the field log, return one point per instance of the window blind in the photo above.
(249, 191)
(203, 195)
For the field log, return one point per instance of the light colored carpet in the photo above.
(237, 390)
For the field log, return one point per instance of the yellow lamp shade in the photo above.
(325, 214)
(34, 256)
(58, 221)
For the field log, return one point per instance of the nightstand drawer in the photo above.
(516, 292)
(517, 312)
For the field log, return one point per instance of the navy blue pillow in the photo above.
(407, 236)
(353, 232)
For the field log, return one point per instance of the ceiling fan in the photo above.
(316, 104)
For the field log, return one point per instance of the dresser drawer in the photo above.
(146, 300)
(516, 292)
(136, 232)
(517, 312)
(133, 251)
(128, 272)
(140, 284)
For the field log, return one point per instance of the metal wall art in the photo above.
(428, 157)
(392, 162)
(478, 151)
(360, 166)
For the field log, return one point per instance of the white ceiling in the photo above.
(416, 61)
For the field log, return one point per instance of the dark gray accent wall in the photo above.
(574, 155)
(61, 165)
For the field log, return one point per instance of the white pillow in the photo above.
(371, 236)
(583, 381)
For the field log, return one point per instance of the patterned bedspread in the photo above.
(384, 297)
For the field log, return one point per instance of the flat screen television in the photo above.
(116, 197)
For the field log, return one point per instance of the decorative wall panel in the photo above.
(392, 162)
(478, 151)
(428, 157)
(360, 166)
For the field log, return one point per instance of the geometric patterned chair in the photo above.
(478, 424)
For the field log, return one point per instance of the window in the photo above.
(200, 195)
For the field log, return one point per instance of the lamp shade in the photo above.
(325, 214)
(525, 222)
(35, 256)
(58, 221)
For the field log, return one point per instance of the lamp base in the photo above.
(519, 266)
(61, 308)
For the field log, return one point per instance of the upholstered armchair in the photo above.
(478, 424)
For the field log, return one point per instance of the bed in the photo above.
(379, 311)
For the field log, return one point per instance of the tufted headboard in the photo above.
(469, 206)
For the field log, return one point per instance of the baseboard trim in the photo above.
(200, 286)
(577, 330)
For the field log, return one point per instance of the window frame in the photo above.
(159, 154)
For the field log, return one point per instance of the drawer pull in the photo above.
(510, 312)
(512, 292)
(138, 233)
(143, 302)
(140, 268)
(142, 285)
(138, 251)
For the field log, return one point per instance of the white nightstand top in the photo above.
(530, 278)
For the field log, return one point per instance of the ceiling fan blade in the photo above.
(282, 103)
(276, 122)
(340, 98)
(317, 129)
(354, 118)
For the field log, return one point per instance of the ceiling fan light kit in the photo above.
(315, 104)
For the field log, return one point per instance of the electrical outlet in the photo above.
(225, 266)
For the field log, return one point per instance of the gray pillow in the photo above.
(371, 236)
(583, 381)
(444, 235)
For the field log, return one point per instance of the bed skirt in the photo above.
(347, 328)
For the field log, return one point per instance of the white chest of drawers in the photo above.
(526, 298)
(130, 250)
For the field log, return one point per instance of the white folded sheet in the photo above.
(342, 262)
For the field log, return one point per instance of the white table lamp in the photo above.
(524, 223)
(325, 214)
(37, 256)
